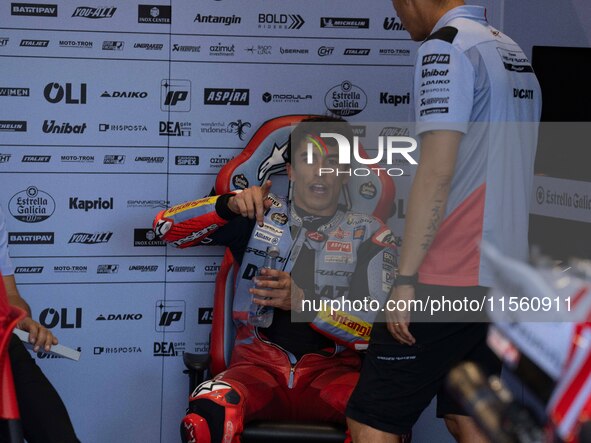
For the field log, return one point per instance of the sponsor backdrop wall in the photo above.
(110, 112)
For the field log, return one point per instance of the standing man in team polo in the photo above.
(477, 104)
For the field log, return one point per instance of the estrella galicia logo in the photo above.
(146, 237)
(226, 96)
(34, 9)
(13, 126)
(344, 22)
(87, 238)
(55, 93)
(170, 315)
(87, 12)
(31, 205)
(345, 99)
(175, 95)
(157, 14)
(31, 238)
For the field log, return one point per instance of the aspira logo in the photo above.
(391, 144)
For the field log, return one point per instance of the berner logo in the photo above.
(90, 238)
(345, 99)
(226, 20)
(36, 158)
(35, 43)
(344, 22)
(34, 9)
(31, 238)
(86, 12)
(158, 14)
(50, 127)
(87, 205)
(146, 237)
(14, 92)
(13, 126)
(226, 96)
(28, 270)
(31, 205)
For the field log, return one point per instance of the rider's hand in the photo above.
(252, 202)
(277, 286)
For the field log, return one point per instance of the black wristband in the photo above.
(221, 207)
(408, 280)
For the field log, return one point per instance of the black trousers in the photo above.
(44, 417)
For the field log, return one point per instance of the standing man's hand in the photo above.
(252, 202)
(399, 321)
(39, 336)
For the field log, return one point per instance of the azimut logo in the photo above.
(86, 12)
(33, 9)
(31, 205)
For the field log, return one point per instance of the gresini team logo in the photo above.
(34, 9)
(281, 21)
(345, 99)
(175, 95)
(158, 14)
(113, 45)
(31, 238)
(86, 12)
(316, 146)
(237, 128)
(31, 205)
(273, 163)
(13, 126)
(344, 22)
(218, 19)
(14, 92)
(87, 238)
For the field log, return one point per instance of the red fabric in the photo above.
(321, 386)
(454, 257)
(9, 317)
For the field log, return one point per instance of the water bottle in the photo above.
(262, 316)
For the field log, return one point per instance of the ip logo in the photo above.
(175, 95)
(170, 315)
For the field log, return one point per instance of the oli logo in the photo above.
(50, 318)
(55, 93)
(394, 145)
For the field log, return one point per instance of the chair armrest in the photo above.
(197, 365)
